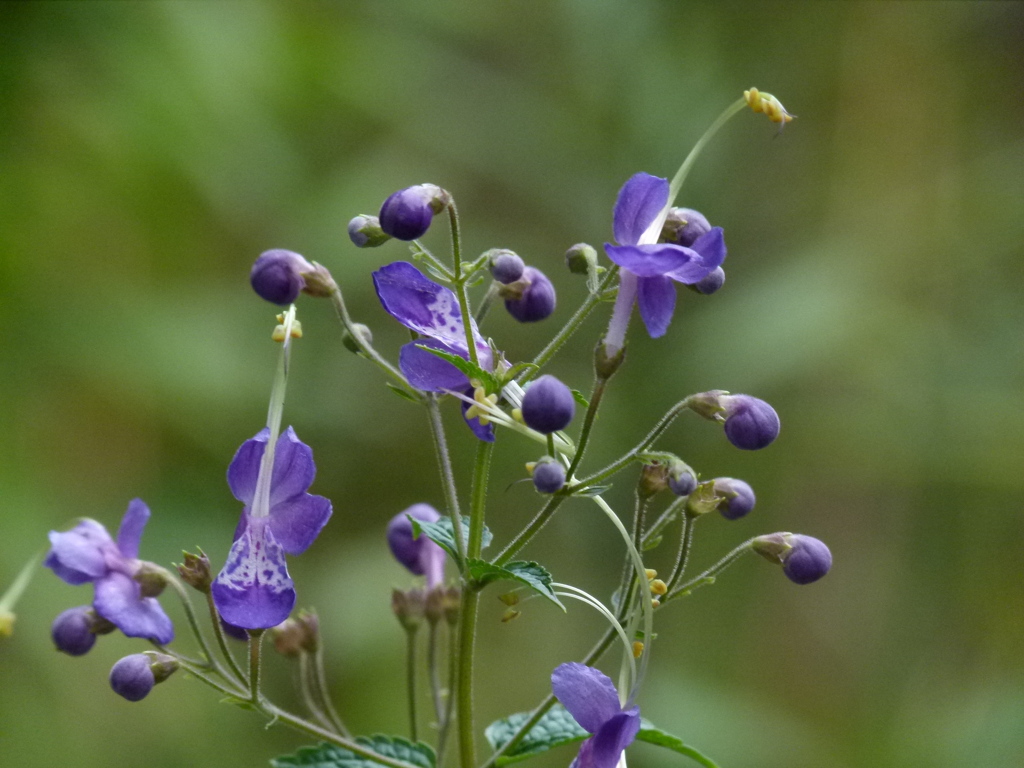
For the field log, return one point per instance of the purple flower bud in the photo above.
(407, 214)
(750, 423)
(72, 631)
(277, 276)
(681, 480)
(536, 300)
(421, 556)
(808, 559)
(548, 475)
(710, 284)
(684, 225)
(132, 678)
(739, 497)
(506, 266)
(365, 232)
(548, 405)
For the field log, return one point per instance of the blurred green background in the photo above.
(149, 152)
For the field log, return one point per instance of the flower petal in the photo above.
(652, 260)
(119, 600)
(132, 524)
(80, 555)
(587, 693)
(656, 297)
(253, 589)
(421, 304)
(297, 522)
(711, 248)
(639, 202)
(428, 372)
(613, 737)
(245, 467)
(294, 469)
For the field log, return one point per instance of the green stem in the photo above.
(588, 423)
(460, 283)
(570, 327)
(434, 672)
(193, 623)
(306, 691)
(549, 701)
(708, 576)
(629, 576)
(621, 463)
(218, 632)
(320, 682)
(684, 169)
(486, 302)
(683, 555)
(470, 607)
(433, 261)
(366, 349)
(444, 462)
(410, 679)
(453, 671)
(255, 642)
(663, 521)
(538, 522)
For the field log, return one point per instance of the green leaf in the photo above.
(442, 533)
(326, 755)
(652, 544)
(654, 735)
(486, 378)
(239, 702)
(557, 727)
(554, 729)
(518, 368)
(579, 398)
(402, 392)
(529, 574)
(594, 490)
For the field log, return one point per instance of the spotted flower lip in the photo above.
(637, 217)
(590, 697)
(86, 553)
(254, 589)
(433, 311)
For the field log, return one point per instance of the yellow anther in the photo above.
(296, 329)
(492, 400)
(509, 598)
(768, 104)
(659, 587)
(474, 411)
(530, 466)
(484, 421)
(474, 383)
(655, 603)
(650, 573)
(510, 614)
(753, 97)
(517, 414)
(278, 334)
(480, 395)
(638, 649)
(6, 623)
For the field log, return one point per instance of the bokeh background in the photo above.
(150, 151)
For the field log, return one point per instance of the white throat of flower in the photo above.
(284, 333)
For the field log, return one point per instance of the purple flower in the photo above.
(750, 423)
(548, 405)
(637, 224)
(432, 310)
(590, 697)
(420, 555)
(132, 678)
(536, 300)
(406, 214)
(72, 631)
(86, 553)
(548, 475)
(739, 497)
(808, 560)
(254, 590)
(506, 266)
(277, 276)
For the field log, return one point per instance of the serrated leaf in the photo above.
(555, 728)
(529, 574)
(402, 392)
(472, 371)
(654, 735)
(593, 490)
(579, 398)
(442, 533)
(326, 755)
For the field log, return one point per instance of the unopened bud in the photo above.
(195, 571)
(452, 605)
(708, 404)
(607, 363)
(152, 579)
(409, 608)
(653, 479)
(581, 258)
(288, 637)
(702, 500)
(319, 282)
(364, 231)
(505, 265)
(364, 333)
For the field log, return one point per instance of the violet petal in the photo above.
(587, 693)
(614, 735)
(483, 432)
(298, 521)
(294, 469)
(639, 202)
(79, 555)
(132, 524)
(254, 590)
(244, 469)
(119, 600)
(710, 248)
(654, 260)
(656, 297)
(428, 372)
